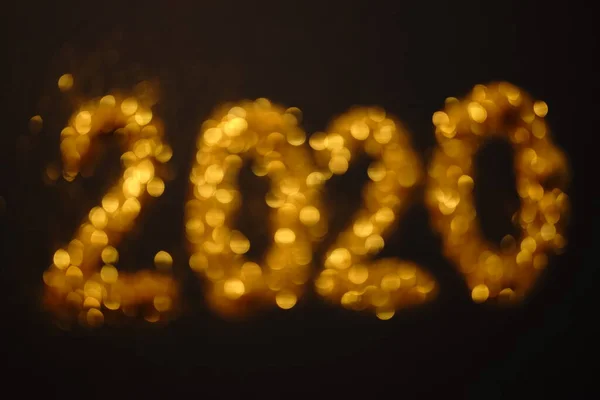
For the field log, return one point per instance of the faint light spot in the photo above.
(480, 293)
(162, 303)
(35, 124)
(65, 82)
(163, 260)
(548, 231)
(108, 101)
(95, 318)
(384, 315)
(109, 274)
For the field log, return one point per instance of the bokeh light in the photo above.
(507, 271)
(83, 279)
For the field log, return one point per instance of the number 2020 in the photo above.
(84, 283)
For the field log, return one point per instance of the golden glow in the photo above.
(507, 271)
(270, 137)
(73, 281)
(65, 82)
(286, 299)
(163, 260)
(61, 259)
(84, 279)
(349, 277)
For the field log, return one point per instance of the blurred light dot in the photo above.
(162, 303)
(143, 116)
(286, 299)
(238, 243)
(98, 217)
(477, 112)
(165, 154)
(340, 258)
(374, 243)
(110, 255)
(376, 171)
(528, 244)
(214, 174)
(108, 101)
(61, 259)
(83, 122)
(390, 282)
(198, 262)
(109, 274)
(309, 215)
(384, 315)
(358, 274)
(129, 106)
(234, 288)
(155, 187)
(163, 260)
(224, 196)
(74, 272)
(548, 231)
(99, 238)
(95, 318)
(440, 118)
(480, 293)
(540, 108)
(215, 217)
(383, 135)
(285, 236)
(110, 203)
(338, 165)
(359, 130)
(35, 124)
(75, 250)
(132, 187)
(142, 148)
(65, 82)
(362, 227)
(318, 141)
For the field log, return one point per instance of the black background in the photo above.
(322, 58)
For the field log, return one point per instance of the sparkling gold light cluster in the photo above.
(83, 280)
(270, 137)
(349, 277)
(502, 109)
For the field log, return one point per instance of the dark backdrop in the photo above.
(322, 58)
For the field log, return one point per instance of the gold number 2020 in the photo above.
(83, 280)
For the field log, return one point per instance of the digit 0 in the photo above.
(349, 278)
(509, 271)
(83, 279)
(269, 136)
